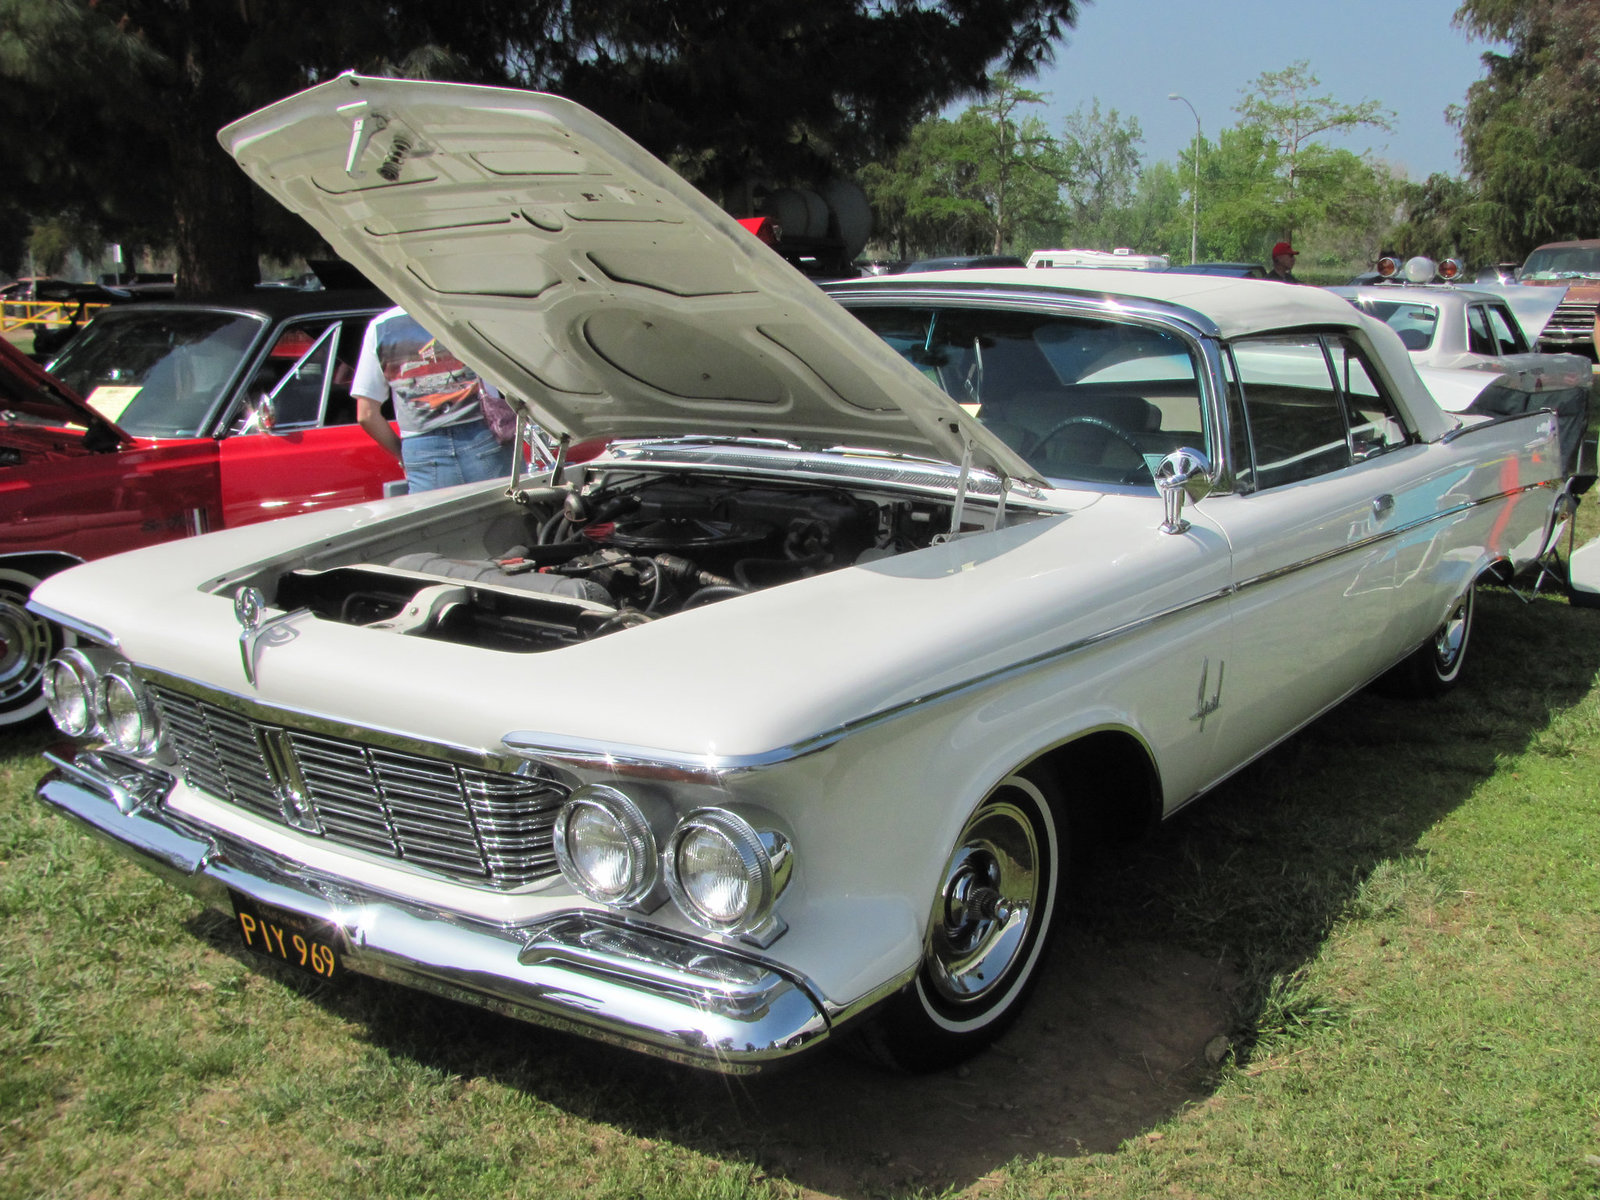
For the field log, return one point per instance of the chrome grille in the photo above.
(1573, 319)
(470, 824)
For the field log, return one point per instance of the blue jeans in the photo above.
(463, 453)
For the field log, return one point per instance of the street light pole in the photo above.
(1194, 192)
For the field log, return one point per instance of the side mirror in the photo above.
(1185, 473)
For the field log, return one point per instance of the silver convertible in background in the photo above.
(782, 717)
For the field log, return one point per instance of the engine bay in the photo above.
(556, 565)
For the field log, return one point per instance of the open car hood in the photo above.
(33, 394)
(593, 285)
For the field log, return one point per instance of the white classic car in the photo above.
(1463, 339)
(787, 713)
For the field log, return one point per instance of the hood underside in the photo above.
(580, 274)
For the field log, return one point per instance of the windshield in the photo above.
(157, 372)
(1563, 262)
(1415, 323)
(1079, 399)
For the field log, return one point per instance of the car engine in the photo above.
(573, 564)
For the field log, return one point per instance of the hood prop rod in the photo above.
(959, 511)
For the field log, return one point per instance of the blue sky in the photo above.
(1403, 53)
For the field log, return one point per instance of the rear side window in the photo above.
(1309, 405)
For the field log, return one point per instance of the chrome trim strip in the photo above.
(1463, 428)
(81, 628)
(584, 753)
(1039, 297)
(696, 1002)
(618, 757)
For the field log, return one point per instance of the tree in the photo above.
(1100, 176)
(129, 94)
(968, 185)
(1530, 133)
(1291, 120)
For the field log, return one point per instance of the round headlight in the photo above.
(70, 680)
(605, 846)
(126, 711)
(725, 875)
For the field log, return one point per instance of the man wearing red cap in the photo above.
(1283, 256)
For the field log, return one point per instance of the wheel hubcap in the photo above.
(25, 648)
(985, 906)
(1452, 636)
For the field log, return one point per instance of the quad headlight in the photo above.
(726, 875)
(92, 692)
(69, 682)
(126, 712)
(724, 869)
(606, 847)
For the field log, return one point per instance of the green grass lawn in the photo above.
(1402, 904)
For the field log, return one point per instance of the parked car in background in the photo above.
(961, 262)
(784, 717)
(1574, 266)
(1462, 339)
(1121, 258)
(169, 419)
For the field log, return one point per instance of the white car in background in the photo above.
(783, 717)
(1462, 339)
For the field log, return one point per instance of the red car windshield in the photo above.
(158, 372)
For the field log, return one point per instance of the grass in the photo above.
(1407, 898)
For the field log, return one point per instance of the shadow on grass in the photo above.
(1170, 945)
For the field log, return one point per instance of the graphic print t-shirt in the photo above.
(431, 387)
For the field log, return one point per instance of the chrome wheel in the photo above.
(990, 919)
(1450, 642)
(27, 644)
(986, 904)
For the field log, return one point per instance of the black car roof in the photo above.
(274, 303)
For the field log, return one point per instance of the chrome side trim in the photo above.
(583, 753)
(619, 757)
(1464, 428)
(700, 1003)
(81, 628)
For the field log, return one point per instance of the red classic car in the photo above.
(167, 419)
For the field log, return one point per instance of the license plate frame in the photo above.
(304, 943)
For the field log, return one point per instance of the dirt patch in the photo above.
(1113, 1042)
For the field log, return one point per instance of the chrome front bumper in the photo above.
(585, 973)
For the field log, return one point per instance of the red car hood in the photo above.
(34, 392)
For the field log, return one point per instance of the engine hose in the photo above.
(684, 571)
(547, 531)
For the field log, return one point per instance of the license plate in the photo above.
(298, 940)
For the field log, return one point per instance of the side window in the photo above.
(1295, 418)
(1507, 333)
(1479, 339)
(1373, 419)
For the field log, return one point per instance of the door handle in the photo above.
(1382, 505)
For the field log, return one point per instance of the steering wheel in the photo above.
(1116, 431)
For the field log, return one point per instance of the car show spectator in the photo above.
(443, 409)
(1283, 256)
